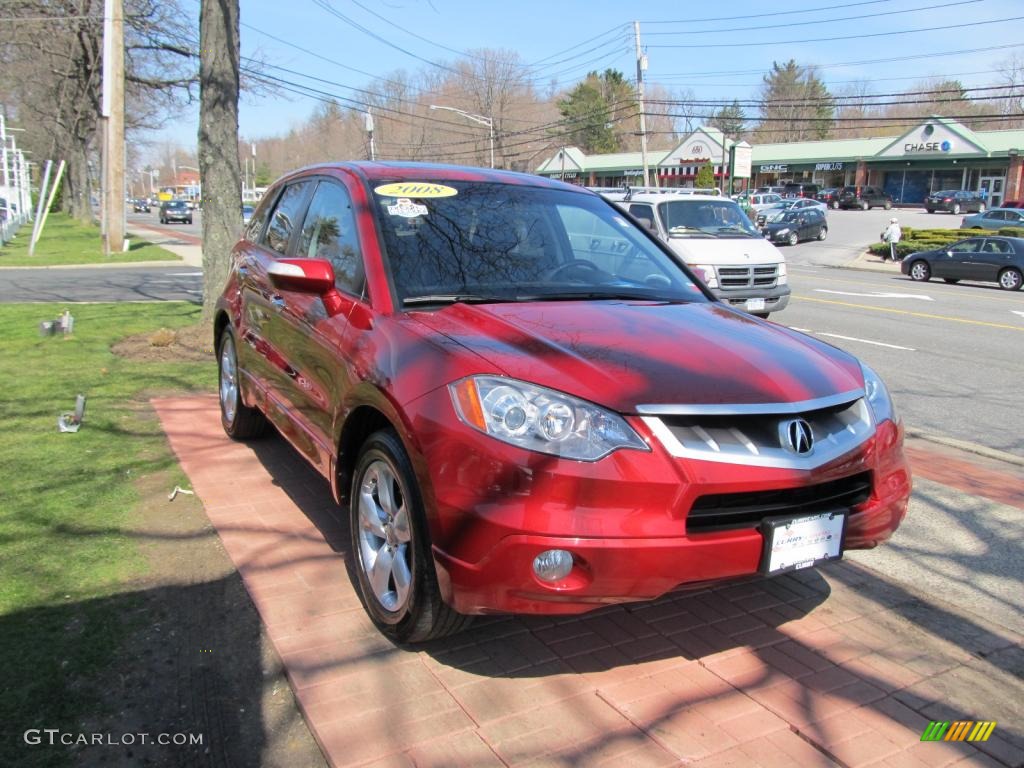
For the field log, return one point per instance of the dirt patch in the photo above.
(197, 660)
(191, 343)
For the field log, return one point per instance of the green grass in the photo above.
(67, 554)
(68, 241)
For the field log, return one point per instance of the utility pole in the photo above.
(641, 66)
(113, 112)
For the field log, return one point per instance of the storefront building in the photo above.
(937, 154)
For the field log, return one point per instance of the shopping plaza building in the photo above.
(937, 154)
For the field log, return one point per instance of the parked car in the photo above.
(761, 201)
(864, 198)
(996, 218)
(526, 403)
(988, 259)
(175, 210)
(795, 189)
(955, 201)
(829, 196)
(775, 212)
(140, 206)
(769, 190)
(796, 225)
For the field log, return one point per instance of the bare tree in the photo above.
(219, 167)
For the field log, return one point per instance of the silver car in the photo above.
(997, 218)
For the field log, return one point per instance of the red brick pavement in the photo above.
(827, 667)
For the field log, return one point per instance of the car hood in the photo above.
(623, 354)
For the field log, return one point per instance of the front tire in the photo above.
(834, 205)
(888, 205)
(864, 205)
(920, 271)
(956, 209)
(793, 238)
(240, 422)
(1010, 279)
(823, 233)
(391, 546)
(982, 208)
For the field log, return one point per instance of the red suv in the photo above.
(525, 403)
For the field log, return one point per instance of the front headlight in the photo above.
(705, 272)
(541, 419)
(879, 399)
(783, 231)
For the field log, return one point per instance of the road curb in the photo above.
(967, 446)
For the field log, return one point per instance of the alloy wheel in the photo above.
(1010, 280)
(228, 380)
(385, 536)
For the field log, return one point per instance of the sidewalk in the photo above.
(832, 666)
(188, 247)
(870, 262)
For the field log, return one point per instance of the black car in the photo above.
(140, 206)
(794, 189)
(864, 198)
(796, 225)
(175, 210)
(989, 259)
(829, 196)
(955, 201)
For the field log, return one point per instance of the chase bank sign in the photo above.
(915, 148)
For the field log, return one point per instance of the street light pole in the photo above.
(488, 121)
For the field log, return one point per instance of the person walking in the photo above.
(892, 235)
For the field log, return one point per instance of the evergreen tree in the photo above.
(795, 105)
(705, 177)
(729, 120)
(593, 110)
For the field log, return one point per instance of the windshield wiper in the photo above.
(600, 296)
(455, 298)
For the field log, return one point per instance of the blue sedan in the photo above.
(988, 259)
(997, 218)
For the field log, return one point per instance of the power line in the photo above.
(841, 37)
(766, 15)
(834, 20)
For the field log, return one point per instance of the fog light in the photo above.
(552, 565)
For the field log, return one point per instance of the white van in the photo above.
(716, 239)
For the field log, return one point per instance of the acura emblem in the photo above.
(796, 436)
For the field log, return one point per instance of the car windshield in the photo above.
(705, 218)
(176, 204)
(488, 242)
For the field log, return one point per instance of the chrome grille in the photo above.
(752, 434)
(737, 277)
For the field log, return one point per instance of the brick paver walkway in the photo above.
(825, 667)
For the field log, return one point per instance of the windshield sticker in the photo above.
(407, 208)
(418, 189)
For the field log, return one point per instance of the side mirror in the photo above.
(313, 276)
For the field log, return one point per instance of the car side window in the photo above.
(329, 232)
(642, 212)
(966, 246)
(997, 215)
(997, 246)
(255, 225)
(282, 221)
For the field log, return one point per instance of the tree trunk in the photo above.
(77, 190)
(219, 168)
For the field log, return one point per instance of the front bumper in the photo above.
(493, 508)
(775, 299)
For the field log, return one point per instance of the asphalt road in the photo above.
(152, 219)
(176, 282)
(951, 354)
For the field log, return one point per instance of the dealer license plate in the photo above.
(755, 305)
(799, 542)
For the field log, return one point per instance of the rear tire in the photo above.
(823, 233)
(391, 546)
(240, 422)
(920, 271)
(888, 205)
(956, 209)
(981, 208)
(834, 205)
(1010, 279)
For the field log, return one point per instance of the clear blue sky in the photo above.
(721, 49)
